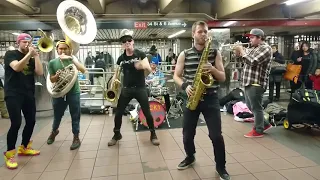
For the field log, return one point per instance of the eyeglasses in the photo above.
(126, 40)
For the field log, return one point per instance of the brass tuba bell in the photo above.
(77, 23)
(45, 44)
(79, 27)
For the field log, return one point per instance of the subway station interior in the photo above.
(163, 31)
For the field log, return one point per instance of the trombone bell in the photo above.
(45, 44)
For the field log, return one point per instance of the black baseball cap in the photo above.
(255, 32)
(125, 33)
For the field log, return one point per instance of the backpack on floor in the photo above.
(276, 113)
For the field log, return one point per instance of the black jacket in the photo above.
(309, 63)
(276, 73)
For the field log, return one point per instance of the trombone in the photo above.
(44, 44)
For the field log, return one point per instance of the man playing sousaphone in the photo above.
(72, 98)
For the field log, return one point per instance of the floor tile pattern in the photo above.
(272, 157)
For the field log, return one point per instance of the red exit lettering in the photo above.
(140, 25)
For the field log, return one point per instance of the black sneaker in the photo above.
(153, 138)
(224, 175)
(116, 137)
(187, 162)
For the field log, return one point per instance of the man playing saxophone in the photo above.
(186, 67)
(72, 98)
(19, 86)
(135, 67)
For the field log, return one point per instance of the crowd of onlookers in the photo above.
(303, 55)
(105, 62)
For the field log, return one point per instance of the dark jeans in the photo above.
(254, 95)
(210, 109)
(127, 94)
(60, 106)
(271, 89)
(16, 104)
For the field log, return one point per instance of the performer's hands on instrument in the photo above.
(189, 90)
(64, 57)
(239, 50)
(207, 67)
(56, 76)
(33, 51)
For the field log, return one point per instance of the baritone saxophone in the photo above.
(201, 80)
(112, 94)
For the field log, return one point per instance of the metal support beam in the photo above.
(25, 7)
(166, 6)
(302, 10)
(98, 6)
(236, 8)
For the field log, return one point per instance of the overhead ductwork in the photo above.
(25, 7)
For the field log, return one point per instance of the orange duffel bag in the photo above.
(293, 72)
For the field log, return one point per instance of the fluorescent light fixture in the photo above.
(176, 34)
(219, 30)
(17, 34)
(292, 2)
(229, 23)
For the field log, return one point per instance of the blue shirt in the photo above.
(157, 74)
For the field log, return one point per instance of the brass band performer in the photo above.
(135, 66)
(257, 61)
(208, 62)
(20, 67)
(71, 99)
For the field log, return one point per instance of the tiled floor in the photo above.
(135, 158)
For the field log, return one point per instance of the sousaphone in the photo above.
(79, 27)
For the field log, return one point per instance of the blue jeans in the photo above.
(60, 106)
(254, 96)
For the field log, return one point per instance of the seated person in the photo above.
(156, 79)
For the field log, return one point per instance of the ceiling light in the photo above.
(219, 30)
(292, 2)
(176, 34)
(229, 23)
(17, 34)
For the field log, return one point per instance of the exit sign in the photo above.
(140, 25)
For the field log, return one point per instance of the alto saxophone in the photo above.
(112, 93)
(201, 80)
